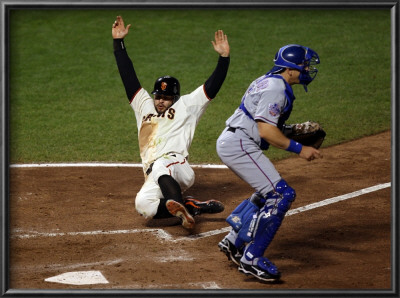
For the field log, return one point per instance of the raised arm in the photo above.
(118, 28)
(124, 63)
(221, 44)
(214, 82)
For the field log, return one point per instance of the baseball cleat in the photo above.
(178, 210)
(231, 251)
(197, 207)
(264, 270)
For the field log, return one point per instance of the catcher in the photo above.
(258, 123)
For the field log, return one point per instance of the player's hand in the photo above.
(221, 45)
(310, 153)
(118, 28)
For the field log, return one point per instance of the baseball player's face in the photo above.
(295, 74)
(163, 102)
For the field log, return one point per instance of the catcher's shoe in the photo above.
(264, 270)
(197, 207)
(178, 210)
(233, 253)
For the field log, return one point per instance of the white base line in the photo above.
(98, 164)
(160, 233)
(300, 209)
(339, 198)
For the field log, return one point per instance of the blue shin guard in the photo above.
(270, 219)
(241, 217)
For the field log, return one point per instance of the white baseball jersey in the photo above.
(171, 131)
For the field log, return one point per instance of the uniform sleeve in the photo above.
(197, 97)
(126, 69)
(142, 105)
(214, 82)
(270, 107)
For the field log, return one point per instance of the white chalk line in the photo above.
(203, 285)
(160, 233)
(300, 209)
(100, 164)
(177, 255)
(57, 267)
(339, 198)
(163, 235)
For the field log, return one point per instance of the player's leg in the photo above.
(161, 196)
(232, 246)
(172, 174)
(247, 160)
(181, 171)
(150, 201)
(197, 207)
(240, 219)
(147, 201)
(266, 224)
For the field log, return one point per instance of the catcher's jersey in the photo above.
(265, 100)
(171, 131)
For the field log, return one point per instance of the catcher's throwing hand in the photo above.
(221, 45)
(310, 153)
(118, 28)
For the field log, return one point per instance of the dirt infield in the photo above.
(83, 219)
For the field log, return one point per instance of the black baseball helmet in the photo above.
(167, 85)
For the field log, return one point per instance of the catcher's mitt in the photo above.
(309, 133)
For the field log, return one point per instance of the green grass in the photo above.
(67, 101)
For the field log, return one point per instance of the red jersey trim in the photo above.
(133, 97)
(174, 163)
(204, 90)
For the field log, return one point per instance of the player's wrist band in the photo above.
(119, 44)
(294, 147)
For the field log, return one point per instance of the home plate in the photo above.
(79, 278)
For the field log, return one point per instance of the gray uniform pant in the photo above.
(245, 158)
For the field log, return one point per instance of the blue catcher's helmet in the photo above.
(298, 57)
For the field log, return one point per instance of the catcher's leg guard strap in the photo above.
(270, 219)
(242, 215)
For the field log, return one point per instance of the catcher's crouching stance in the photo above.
(166, 126)
(257, 123)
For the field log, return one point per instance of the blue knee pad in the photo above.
(288, 195)
(270, 219)
(242, 215)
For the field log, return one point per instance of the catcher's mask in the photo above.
(298, 57)
(167, 85)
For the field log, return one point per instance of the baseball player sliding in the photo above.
(258, 123)
(166, 126)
